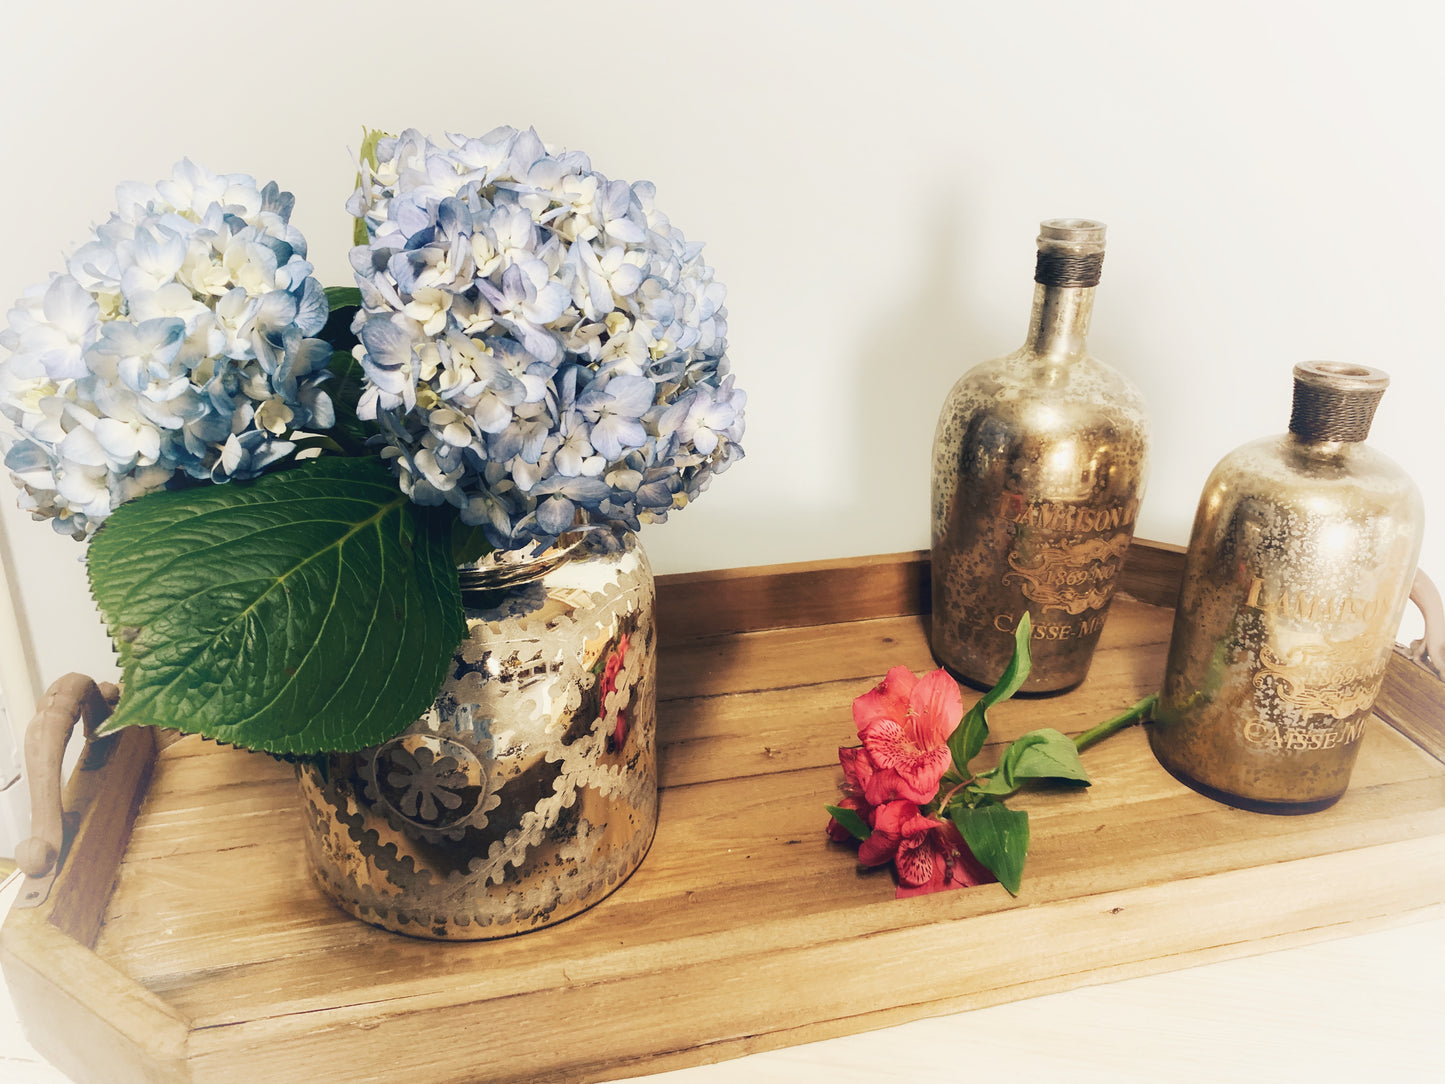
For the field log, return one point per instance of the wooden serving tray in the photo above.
(184, 941)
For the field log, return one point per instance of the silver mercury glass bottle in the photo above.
(1299, 567)
(1039, 463)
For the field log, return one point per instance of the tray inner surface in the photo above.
(215, 958)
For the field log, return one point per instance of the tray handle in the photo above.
(1429, 650)
(71, 697)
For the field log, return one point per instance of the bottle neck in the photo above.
(1059, 324)
(1318, 451)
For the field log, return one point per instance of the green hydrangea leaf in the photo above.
(312, 610)
(998, 837)
(468, 543)
(348, 379)
(342, 297)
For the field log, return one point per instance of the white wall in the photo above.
(868, 178)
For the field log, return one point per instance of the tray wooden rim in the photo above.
(61, 985)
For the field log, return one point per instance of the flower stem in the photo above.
(1140, 711)
(943, 805)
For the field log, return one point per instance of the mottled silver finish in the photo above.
(1300, 562)
(529, 791)
(1039, 463)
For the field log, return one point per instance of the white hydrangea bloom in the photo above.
(178, 343)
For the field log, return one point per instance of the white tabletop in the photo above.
(1359, 1009)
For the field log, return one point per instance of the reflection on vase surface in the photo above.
(529, 791)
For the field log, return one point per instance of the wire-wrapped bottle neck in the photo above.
(1056, 267)
(1071, 252)
(1334, 401)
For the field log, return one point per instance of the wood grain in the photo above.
(94, 1021)
(104, 795)
(1152, 572)
(92, 1018)
(1412, 698)
(746, 928)
(790, 596)
(727, 601)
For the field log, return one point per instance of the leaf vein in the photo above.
(184, 661)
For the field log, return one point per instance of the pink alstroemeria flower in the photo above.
(904, 836)
(905, 723)
(894, 823)
(929, 855)
(952, 866)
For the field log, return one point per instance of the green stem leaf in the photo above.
(999, 838)
(969, 736)
(1040, 754)
(851, 821)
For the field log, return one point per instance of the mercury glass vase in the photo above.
(528, 792)
(1300, 562)
(1039, 464)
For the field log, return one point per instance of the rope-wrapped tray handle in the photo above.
(71, 697)
(1429, 650)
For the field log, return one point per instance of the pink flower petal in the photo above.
(886, 743)
(919, 853)
(958, 869)
(917, 860)
(884, 787)
(890, 784)
(936, 706)
(904, 770)
(888, 824)
(857, 767)
(887, 700)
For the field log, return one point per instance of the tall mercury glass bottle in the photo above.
(1299, 567)
(1039, 463)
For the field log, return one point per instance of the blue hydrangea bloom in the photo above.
(178, 343)
(543, 349)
